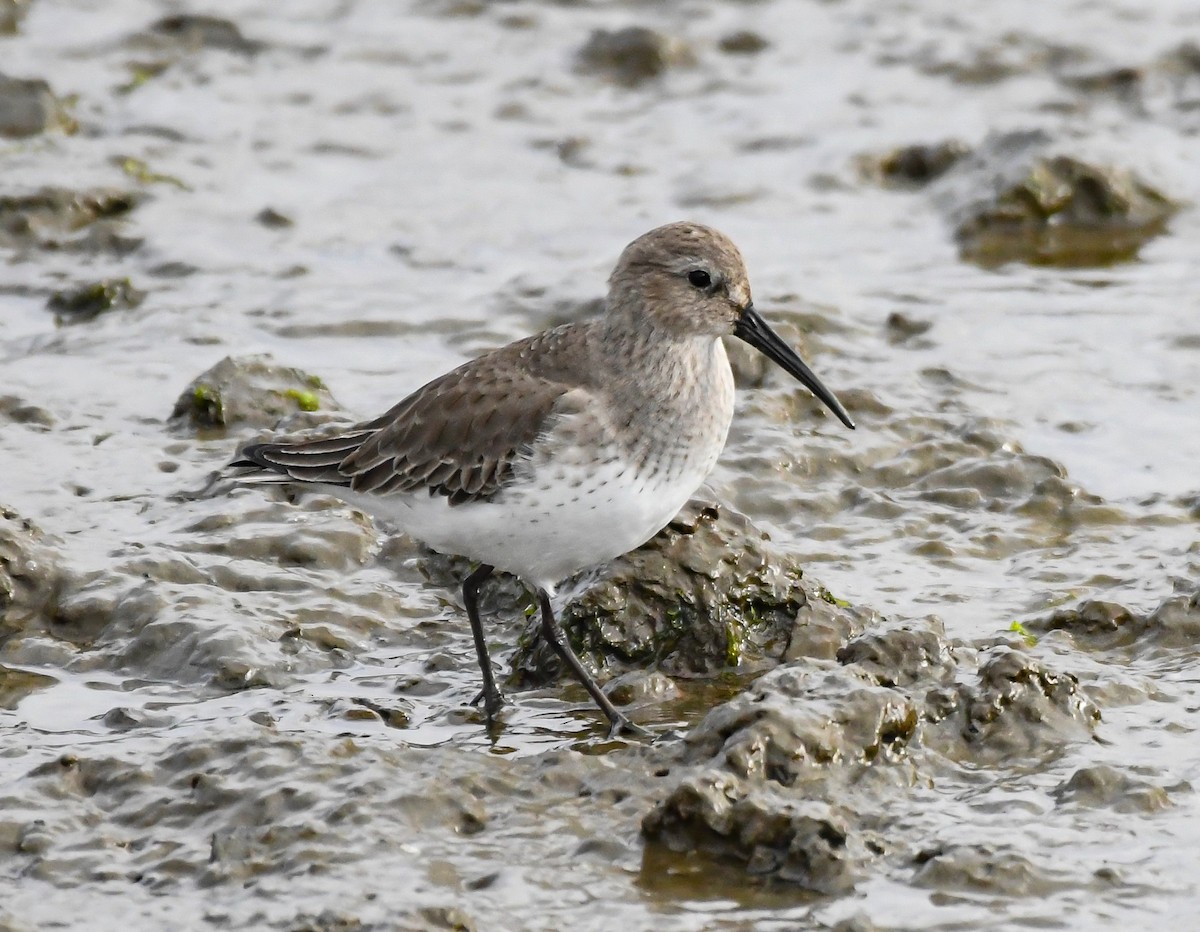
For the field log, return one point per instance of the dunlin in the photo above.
(566, 449)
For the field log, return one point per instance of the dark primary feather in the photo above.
(461, 435)
(306, 461)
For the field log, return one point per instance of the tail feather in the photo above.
(309, 461)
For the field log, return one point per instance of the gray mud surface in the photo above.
(937, 673)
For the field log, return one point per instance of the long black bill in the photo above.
(754, 330)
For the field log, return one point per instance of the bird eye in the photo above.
(700, 278)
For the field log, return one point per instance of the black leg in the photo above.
(552, 632)
(491, 696)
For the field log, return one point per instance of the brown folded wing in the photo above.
(461, 436)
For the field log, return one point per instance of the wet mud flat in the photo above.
(935, 674)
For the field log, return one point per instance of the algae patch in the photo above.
(139, 171)
(1019, 629)
(207, 407)
(250, 390)
(87, 302)
(307, 401)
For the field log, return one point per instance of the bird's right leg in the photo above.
(552, 631)
(490, 695)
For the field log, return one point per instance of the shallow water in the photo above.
(174, 755)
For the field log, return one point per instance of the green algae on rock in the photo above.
(1015, 200)
(87, 302)
(305, 400)
(249, 391)
(139, 171)
(50, 217)
(706, 593)
(141, 73)
(1066, 212)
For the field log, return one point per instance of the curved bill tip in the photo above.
(755, 331)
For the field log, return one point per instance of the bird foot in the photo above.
(492, 701)
(622, 724)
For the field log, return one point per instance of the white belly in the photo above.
(548, 529)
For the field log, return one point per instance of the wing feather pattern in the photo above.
(461, 435)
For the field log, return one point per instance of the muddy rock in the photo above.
(249, 391)
(995, 61)
(58, 218)
(913, 166)
(87, 302)
(977, 466)
(791, 779)
(826, 624)
(1170, 78)
(1182, 65)
(632, 56)
(195, 32)
(797, 719)
(773, 834)
(901, 656)
(272, 219)
(1014, 200)
(985, 868)
(1016, 707)
(1101, 785)
(1096, 625)
(11, 12)
(31, 580)
(742, 42)
(772, 791)
(17, 410)
(450, 918)
(708, 592)
(231, 827)
(29, 107)
(1124, 83)
(903, 329)
(157, 628)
